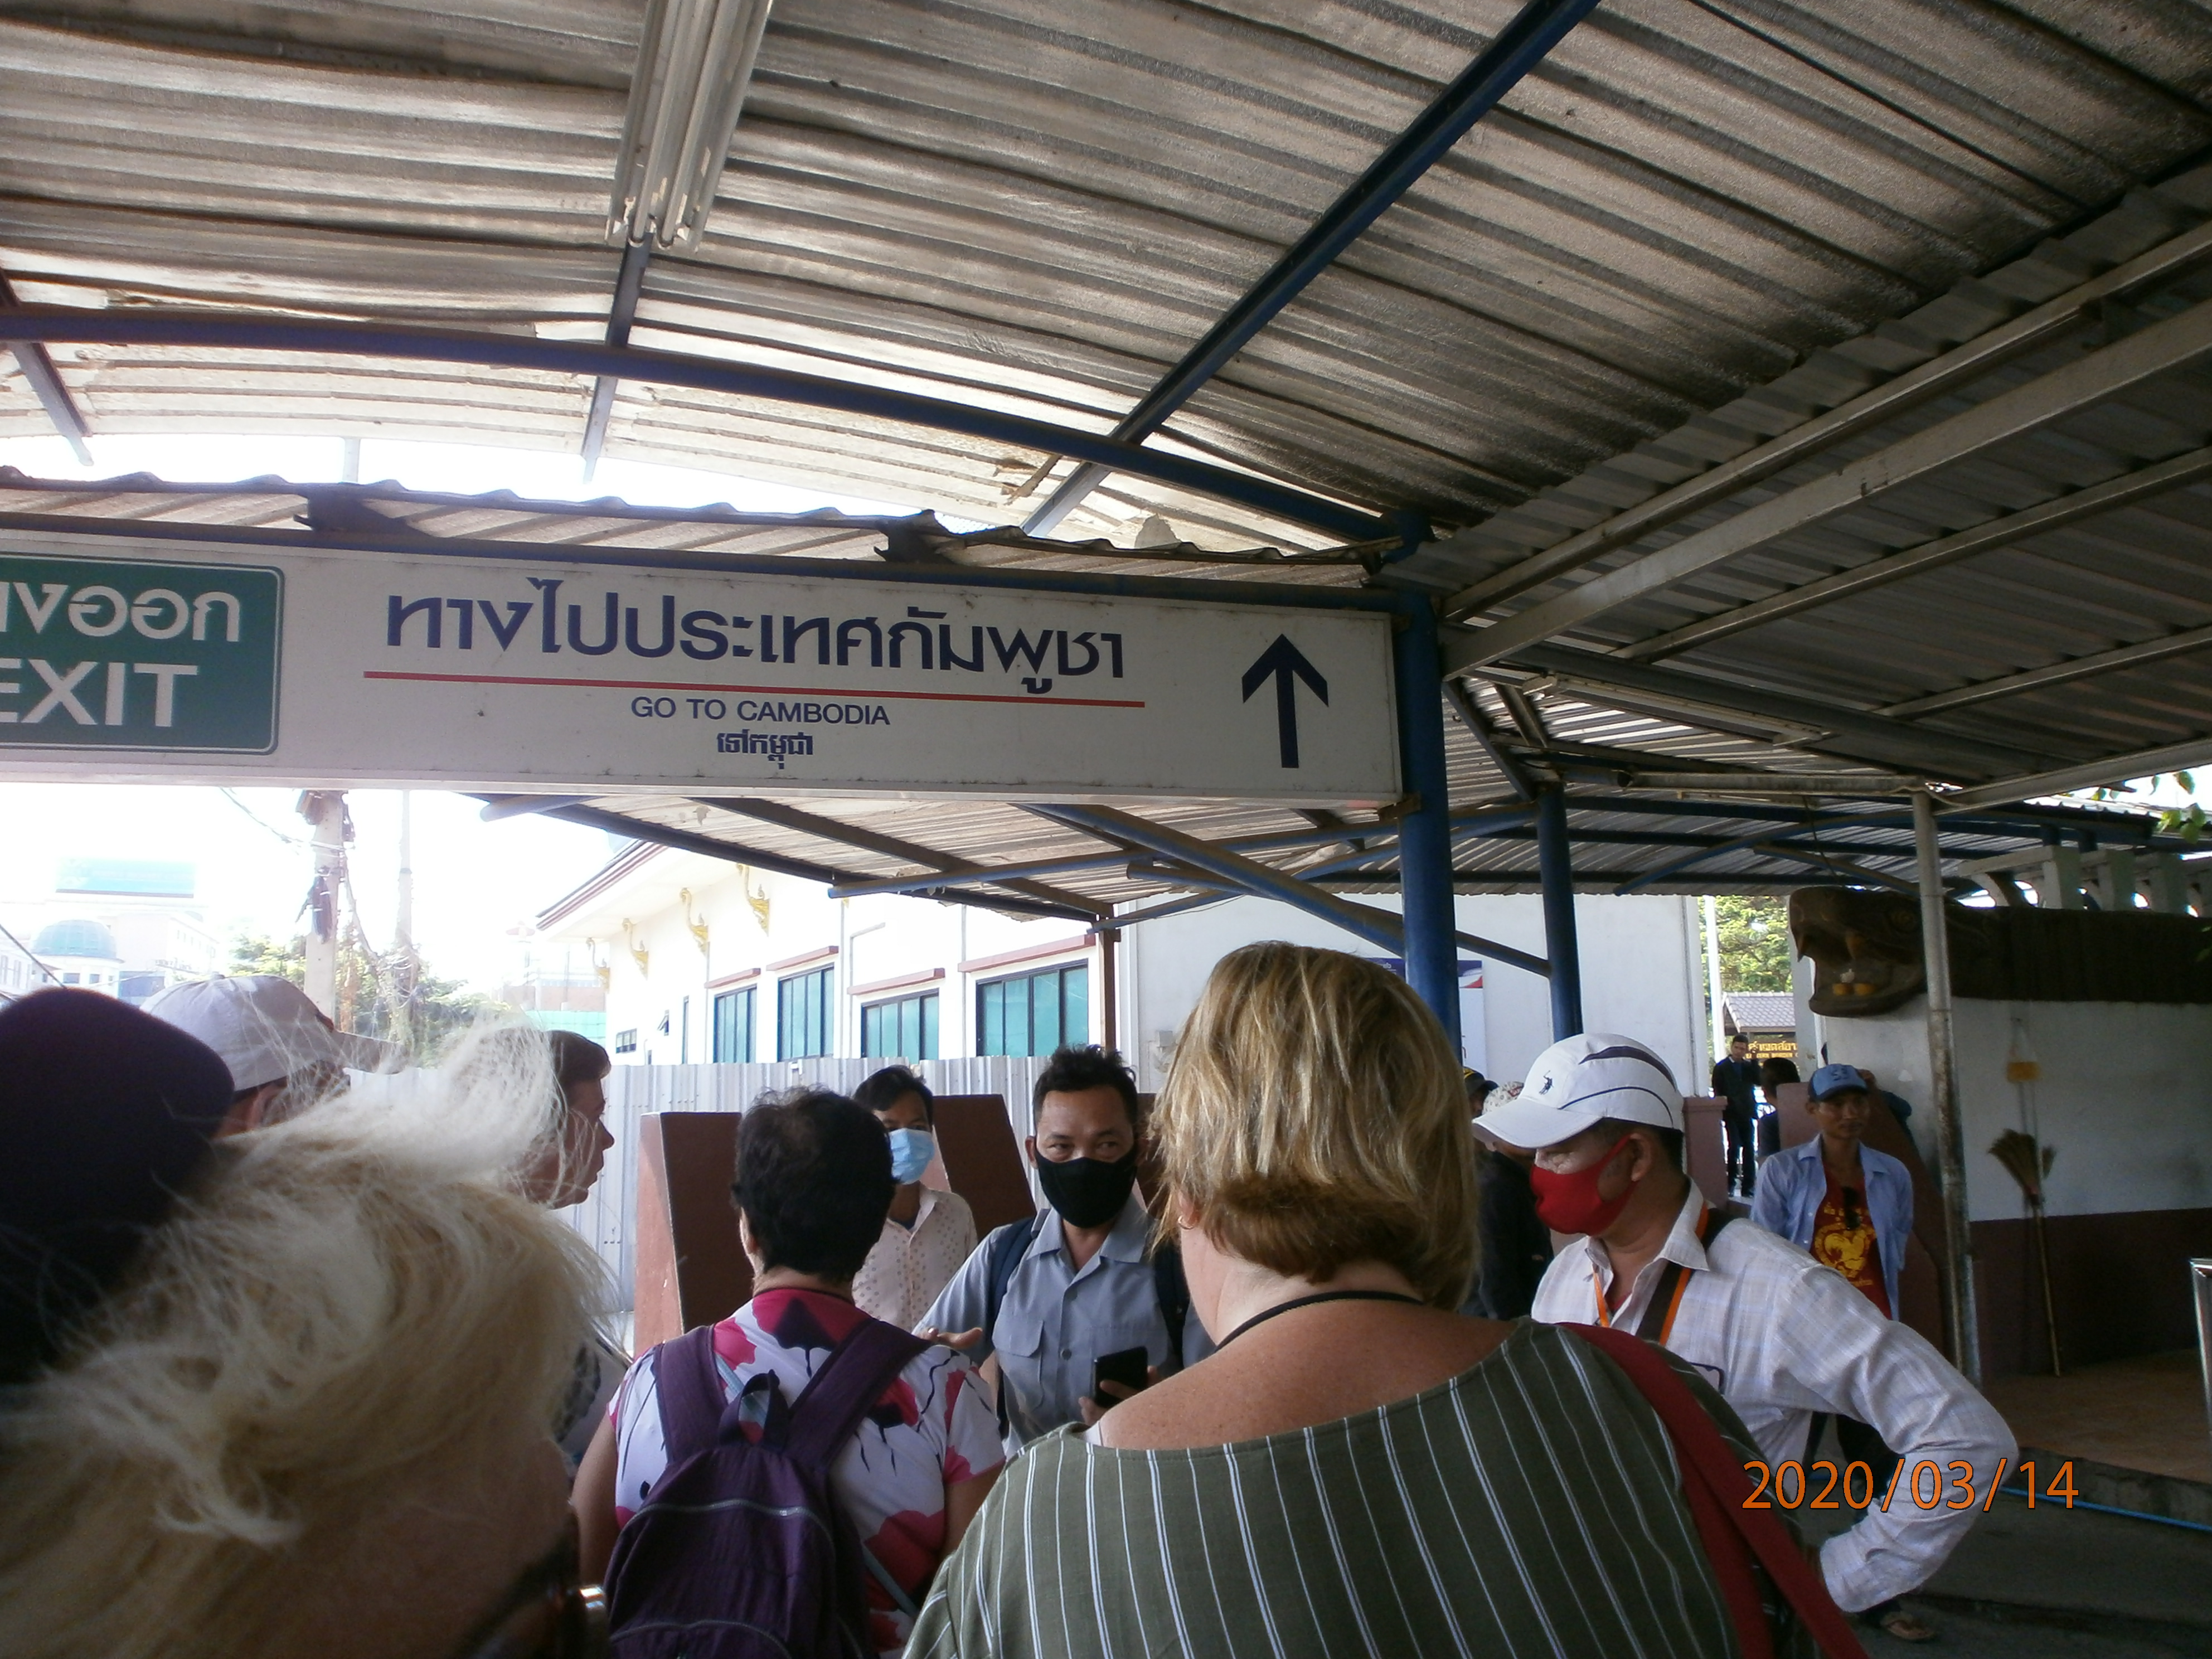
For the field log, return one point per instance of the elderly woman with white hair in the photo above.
(286, 1395)
(1359, 1468)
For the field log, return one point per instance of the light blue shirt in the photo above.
(1792, 1183)
(1056, 1322)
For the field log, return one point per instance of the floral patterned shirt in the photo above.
(931, 1429)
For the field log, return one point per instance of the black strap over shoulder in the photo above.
(1652, 1327)
(1173, 1291)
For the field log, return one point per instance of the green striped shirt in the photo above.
(1530, 1506)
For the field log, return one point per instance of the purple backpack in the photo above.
(741, 1552)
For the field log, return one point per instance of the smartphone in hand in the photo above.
(1130, 1368)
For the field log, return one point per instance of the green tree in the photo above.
(393, 997)
(1755, 940)
(255, 953)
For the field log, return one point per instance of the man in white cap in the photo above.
(283, 1053)
(1780, 1335)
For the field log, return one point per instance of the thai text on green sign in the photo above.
(106, 653)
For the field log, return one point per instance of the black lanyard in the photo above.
(1309, 1301)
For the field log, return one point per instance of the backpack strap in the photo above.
(1714, 1483)
(1006, 1245)
(1666, 1295)
(1173, 1291)
(688, 1380)
(851, 1381)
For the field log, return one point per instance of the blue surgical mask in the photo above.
(911, 1151)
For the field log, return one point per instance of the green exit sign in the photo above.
(108, 654)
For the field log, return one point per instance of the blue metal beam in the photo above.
(1424, 835)
(231, 332)
(45, 381)
(1382, 927)
(1748, 843)
(630, 283)
(685, 841)
(1556, 870)
(1519, 48)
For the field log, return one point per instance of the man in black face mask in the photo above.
(1051, 1297)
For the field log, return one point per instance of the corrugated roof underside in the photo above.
(1038, 208)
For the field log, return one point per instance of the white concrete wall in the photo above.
(2126, 1095)
(1640, 974)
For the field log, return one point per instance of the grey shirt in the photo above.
(1055, 1322)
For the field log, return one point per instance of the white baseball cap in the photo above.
(1581, 1081)
(265, 1028)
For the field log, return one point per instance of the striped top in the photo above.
(1530, 1506)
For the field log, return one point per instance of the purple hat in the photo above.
(106, 1115)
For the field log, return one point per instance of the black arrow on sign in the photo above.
(1285, 663)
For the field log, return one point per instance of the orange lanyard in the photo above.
(1674, 1280)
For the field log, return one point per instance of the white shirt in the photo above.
(909, 1266)
(1781, 1336)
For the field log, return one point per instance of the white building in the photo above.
(127, 927)
(707, 962)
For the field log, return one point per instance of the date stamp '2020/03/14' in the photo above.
(1928, 1485)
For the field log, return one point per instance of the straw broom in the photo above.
(2028, 1164)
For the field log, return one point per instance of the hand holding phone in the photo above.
(1129, 1369)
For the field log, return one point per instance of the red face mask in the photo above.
(1571, 1204)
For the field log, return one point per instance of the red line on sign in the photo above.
(766, 690)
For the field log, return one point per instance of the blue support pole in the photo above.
(1556, 869)
(1424, 835)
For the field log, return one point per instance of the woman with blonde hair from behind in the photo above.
(288, 1394)
(1358, 1469)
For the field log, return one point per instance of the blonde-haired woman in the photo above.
(298, 1402)
(1358, 1469)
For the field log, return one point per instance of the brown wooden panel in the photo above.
(982, 1160)
(692, 1270)
(2120, 1280)
(1705, 1148)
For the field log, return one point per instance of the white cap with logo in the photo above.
(1580, 1081)
(265, 1028)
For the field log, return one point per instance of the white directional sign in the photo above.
(168, 660)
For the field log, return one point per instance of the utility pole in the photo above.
(324, 808)
(1965, 1320)
(1715, 1008)
(403, 914)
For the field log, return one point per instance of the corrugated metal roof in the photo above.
(1695, 227)
(1039, 209)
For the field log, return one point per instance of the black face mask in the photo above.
(1085, 1192)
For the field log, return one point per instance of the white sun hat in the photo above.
(1580, 1081)
(265, 1028)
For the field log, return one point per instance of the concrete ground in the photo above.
(2054, 1582)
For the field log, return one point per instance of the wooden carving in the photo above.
(1865, 949)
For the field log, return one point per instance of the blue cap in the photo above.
(1834, 1079)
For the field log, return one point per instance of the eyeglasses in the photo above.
(547, 1614)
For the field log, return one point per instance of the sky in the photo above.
(475, 883)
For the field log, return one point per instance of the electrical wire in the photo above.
(12, 939)
(231, 796)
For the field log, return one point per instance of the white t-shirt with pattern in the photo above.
(910, 1265)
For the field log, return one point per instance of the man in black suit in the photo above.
(1735, 1080)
